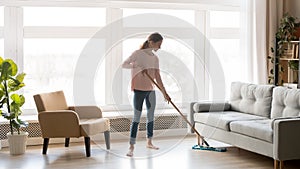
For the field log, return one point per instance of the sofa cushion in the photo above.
(260, 129)
(251, 98)
(223, 119)
(286, 102)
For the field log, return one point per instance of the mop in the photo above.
(200, 138)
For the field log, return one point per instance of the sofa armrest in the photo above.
(87, 112)
(190, 116)
(281, 118)
(286, 138)
(206, 106)
(59, 123)
(210, 106)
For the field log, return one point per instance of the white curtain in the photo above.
(255, 38)
(260, 18)
(259, 42)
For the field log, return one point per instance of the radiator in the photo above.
(117, 124)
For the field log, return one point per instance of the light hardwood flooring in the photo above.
(174, 153)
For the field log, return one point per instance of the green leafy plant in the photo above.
(285, 34)
(294, 65)
(10, 101)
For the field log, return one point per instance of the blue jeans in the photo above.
(138, 100)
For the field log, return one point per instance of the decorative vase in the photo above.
(17, 142)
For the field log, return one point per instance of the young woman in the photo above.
(140, 61)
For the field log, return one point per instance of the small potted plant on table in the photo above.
(10, 104)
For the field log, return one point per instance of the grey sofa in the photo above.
(260, 118)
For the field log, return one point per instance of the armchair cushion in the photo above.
(87, 112)
(90, 127)
(51, 101)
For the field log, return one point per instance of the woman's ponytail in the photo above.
(155, 37)
(145, 45)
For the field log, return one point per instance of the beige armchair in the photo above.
(57, 120)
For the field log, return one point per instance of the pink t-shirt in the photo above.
(139, 60)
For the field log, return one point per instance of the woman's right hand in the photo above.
(144, 71)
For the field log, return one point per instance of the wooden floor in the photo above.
(174, 153)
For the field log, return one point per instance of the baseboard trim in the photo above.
(114, 136)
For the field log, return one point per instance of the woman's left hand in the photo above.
(167, 97)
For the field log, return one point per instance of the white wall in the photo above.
(292, 7)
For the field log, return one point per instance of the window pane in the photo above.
(2, 47)
(1, 16)
(228, 52)
(177, 58)
(64, 16)
(50, 64)
(224, 19)
(181, 51)
(99, 84)
(186, 15)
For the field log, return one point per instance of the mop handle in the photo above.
(193, 128)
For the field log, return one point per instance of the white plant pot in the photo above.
(17, 142)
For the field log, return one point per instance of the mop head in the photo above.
(199, 147)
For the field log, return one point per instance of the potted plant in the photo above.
(10, 104)
(286, 32)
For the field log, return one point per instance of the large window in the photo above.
(55, 37)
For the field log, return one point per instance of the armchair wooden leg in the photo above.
(67, 142)
(107, 139)
(87, 142)
(45, 145)
(275, 164)
(278, 164)
(281, 164)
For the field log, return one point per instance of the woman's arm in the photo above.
(129, 63)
